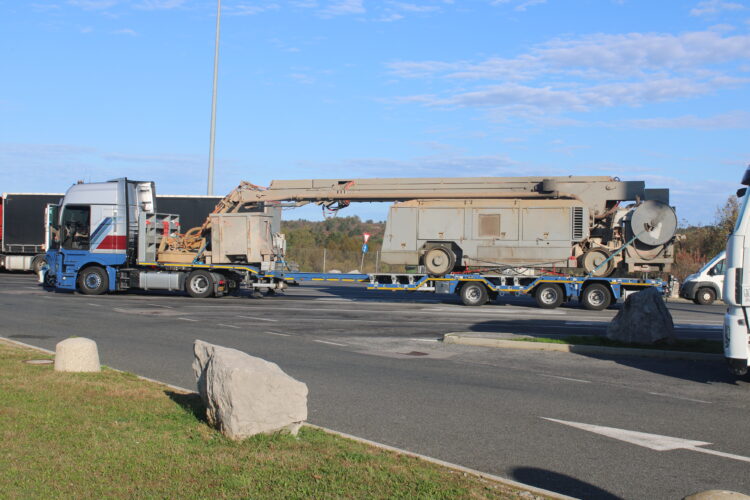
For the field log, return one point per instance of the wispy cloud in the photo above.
(343, 7)
(732, 120)
(125, 31)
(713, 7)
(519, 5)
(587, 73)
(244, 9)
(93, 4)
(159, 4)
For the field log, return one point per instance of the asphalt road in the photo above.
(375, 369)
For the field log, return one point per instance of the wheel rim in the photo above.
(596, 298)
(473, 294)
(199, 284)
(92, 281)
(549, 296)
(706, 296)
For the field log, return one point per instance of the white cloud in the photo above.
(343, 7)
(711, 7)
(159, 4)
(521, 5)
(587, 73)
(93, 4)
(125, 31)
(731, 120)
(244, 9)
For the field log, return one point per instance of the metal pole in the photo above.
(210, 190)
(377, 261)
(362, 264)
(324, 260)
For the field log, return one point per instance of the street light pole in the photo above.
(210, 190)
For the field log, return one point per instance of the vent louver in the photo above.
(578, 228)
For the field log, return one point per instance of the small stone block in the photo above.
(77, 354)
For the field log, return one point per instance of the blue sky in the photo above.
(652, 90)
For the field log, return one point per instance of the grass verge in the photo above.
(683, 345)
(112, 435)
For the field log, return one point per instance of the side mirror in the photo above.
(746, 177)
(741, 192)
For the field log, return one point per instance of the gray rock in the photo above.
(717, 495)
(643, 319)
(77, 354)
(245, 395)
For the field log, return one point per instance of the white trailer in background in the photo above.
(737, 288)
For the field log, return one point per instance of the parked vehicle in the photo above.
(737, 288)
(22, 235)
(706, 286)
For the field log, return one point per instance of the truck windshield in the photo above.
(53, 227)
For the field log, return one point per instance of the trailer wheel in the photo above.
(37, 263)
(474, 294)
(439, 261)
(596, 297)
(199, 284)
(705, 296)
(549, 296)
(93, 280)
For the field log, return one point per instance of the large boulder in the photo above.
(77, 354)
(643, 319)
(245, 395)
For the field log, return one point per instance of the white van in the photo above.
(706, 285)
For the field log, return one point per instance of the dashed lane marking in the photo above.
(330, 343)
(259, 319)
(187, 319)
(228, 326)
(279, 334)
(93, 305)
(427, 340)
(672, 396)
(568, 379)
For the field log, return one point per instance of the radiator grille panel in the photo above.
(578, 227)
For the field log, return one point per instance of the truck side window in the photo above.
(75, 227)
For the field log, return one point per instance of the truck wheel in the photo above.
(93, 281)
(474, 294)
(705, 296)
(199, 284)
(549, 296)
(37, 263)
(439, 261)
(596, 297)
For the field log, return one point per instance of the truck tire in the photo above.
(596, 297)
(439, 261)
(37, 263)
(705, 296)
(549, 296)
(93, 280)
(199, 284)
(474, 294)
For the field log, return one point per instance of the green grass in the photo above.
(112, 435)
(684, 345)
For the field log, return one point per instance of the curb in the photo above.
(436, 461)
(468, 339)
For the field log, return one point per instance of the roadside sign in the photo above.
(365, 248)
(366, 237)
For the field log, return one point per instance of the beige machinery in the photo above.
(595, 224)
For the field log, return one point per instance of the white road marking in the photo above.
(228, 326)
(160, 305)
(331, 343)
(651, 441)
(679, 397)
(187, 319)
(427, 340)
(93, 305)
(281, 334)
(259, 319)
(567, 378)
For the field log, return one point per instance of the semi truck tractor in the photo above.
(737, 288)
(23, 239)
